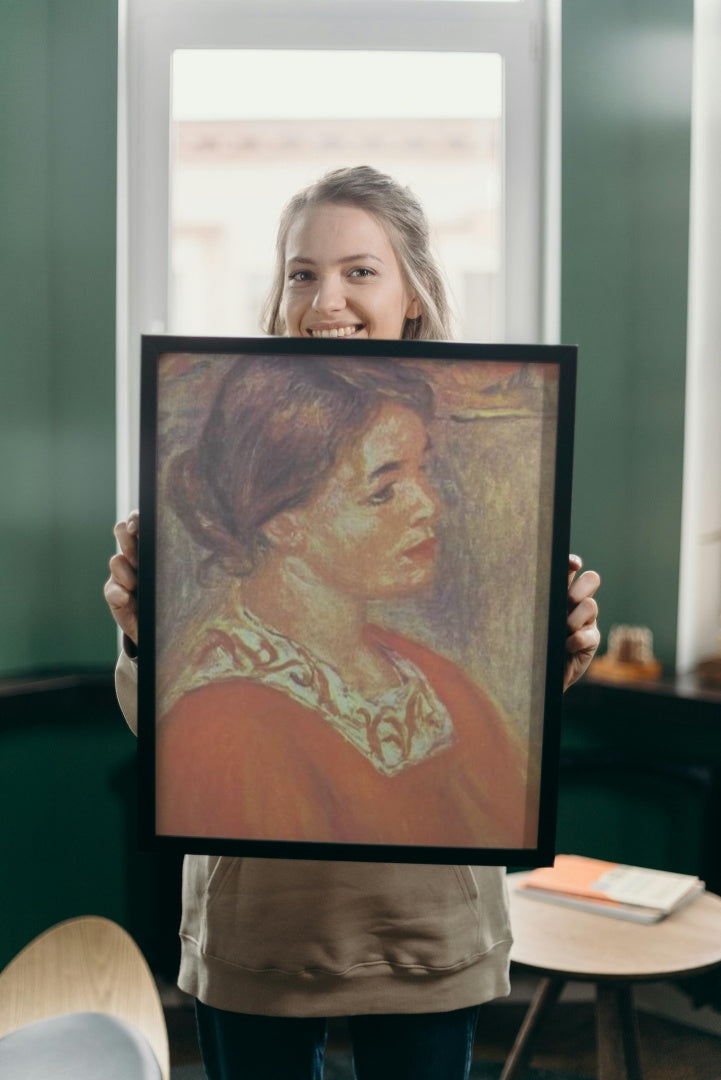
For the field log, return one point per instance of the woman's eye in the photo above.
(362, 272)
(300, 276)
(383, 495)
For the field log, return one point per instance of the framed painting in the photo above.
(352, 597)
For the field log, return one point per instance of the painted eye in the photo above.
(383, 495)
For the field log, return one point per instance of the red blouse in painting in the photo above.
(239, 757)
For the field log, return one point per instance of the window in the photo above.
(235, 161)
(227, 107)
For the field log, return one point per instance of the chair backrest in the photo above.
(88, 964)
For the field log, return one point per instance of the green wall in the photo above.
(67, 760)
(68, 807)
(58, 72)
(626, 145)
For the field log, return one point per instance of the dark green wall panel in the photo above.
(25, 397)
(626, 145)
(58, 77)
(68, 804)
(68, 843)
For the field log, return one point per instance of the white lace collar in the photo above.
(395, 730)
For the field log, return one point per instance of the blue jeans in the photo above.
(415, 1046)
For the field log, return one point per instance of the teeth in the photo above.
(336, 332)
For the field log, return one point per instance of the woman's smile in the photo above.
(324, 331)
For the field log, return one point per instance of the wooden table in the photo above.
(563, 944)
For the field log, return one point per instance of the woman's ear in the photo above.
(415, 309)
(283, 531)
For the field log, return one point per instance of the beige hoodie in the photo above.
(284, 937)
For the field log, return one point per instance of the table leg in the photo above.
(617, 1033)
(545, 997)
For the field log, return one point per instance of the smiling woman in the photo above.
(293, 717)
(353, 259)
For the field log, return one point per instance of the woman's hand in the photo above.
(583, 635)
(121, 587)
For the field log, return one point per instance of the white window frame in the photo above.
(699, 597)
(526, 34)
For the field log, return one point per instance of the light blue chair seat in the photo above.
(78, 1046)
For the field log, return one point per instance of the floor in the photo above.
(669, 1050)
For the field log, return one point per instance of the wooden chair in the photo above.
(90, 972)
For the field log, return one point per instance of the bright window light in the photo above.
(239, 154)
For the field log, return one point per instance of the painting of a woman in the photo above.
(292, 715)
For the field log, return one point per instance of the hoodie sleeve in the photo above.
(126, 688)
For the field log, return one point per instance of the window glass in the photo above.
(251, 127)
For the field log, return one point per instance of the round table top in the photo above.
(559, 940)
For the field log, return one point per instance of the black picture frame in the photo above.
(231, 753)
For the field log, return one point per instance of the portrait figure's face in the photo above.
(368, 530)
(343, 278)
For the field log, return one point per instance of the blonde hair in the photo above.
(403, 217)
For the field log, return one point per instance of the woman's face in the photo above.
(369, 529)
(342, 277)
